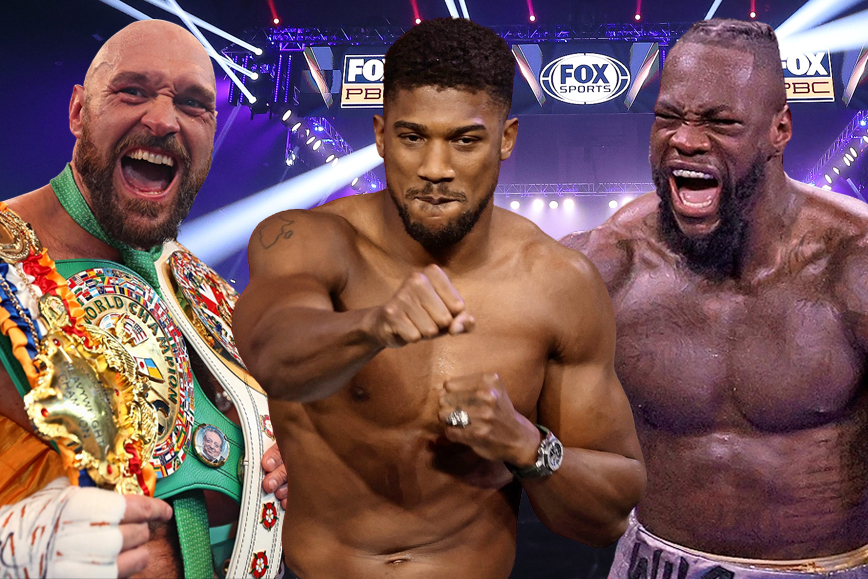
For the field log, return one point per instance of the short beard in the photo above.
(719, 254)
(112, 211)
(435, 241)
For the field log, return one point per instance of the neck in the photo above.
(466, 254)
(769, 218)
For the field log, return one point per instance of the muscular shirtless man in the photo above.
(410, 339)
(150, 89)
(742, 315)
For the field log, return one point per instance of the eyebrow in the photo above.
(706, 113)
(457, 132)
(128, 76)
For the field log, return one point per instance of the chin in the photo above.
(697, 229)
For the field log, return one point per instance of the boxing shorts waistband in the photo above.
(643, 555)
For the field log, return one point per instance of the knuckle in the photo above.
(418, 279)
(429, 331)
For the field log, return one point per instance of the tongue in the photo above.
(697, 190)
(146, 176)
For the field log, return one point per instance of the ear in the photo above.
(781, 130)
(380, 133)
(510, 131)
(76, 110)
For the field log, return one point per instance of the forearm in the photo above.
(306, 354)
(590, 497)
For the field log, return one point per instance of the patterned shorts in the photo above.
(641, 555)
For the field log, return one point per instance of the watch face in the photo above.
(554, 455)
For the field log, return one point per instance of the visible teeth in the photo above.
(691, 174)
(698, 205)
(142, 155)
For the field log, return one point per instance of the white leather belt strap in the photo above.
(260, 521)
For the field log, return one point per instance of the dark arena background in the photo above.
(295, 129)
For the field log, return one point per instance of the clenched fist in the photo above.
(426, 305)
(495, 430)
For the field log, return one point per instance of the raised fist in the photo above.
(424, 307)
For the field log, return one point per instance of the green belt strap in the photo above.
(192, 519)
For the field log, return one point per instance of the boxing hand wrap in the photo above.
(62, 531)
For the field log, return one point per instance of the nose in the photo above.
(436, 164)
(161, 117)
(690, 139)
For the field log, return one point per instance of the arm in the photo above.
(292, 339)
(603, 475)
(851, 290)
(285, 324)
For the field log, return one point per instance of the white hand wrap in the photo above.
(62, 531)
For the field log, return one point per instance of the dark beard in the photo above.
(719, 254)
(112, 211)
(451, 233)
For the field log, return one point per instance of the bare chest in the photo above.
(401, 386)
(695, 357)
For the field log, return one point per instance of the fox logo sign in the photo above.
(585, 78)
(808, 76)
(363, 81)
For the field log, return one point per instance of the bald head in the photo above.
(153, 38)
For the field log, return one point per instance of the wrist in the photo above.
(550, 454)
(525, 452)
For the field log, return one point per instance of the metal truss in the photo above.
(561, 189)
(329, 135)
(836, 151)
(298, 38)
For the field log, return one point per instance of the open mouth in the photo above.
(148, 172)
(695, 193)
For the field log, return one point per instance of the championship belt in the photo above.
(202, 303)
(84, 396)
(155, 330)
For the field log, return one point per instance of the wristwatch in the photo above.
(549, 456)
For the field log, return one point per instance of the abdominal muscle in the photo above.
(398, 501)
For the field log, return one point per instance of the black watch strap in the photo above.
(539, 469)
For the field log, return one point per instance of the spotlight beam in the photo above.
(464, 11)
(210, 49)
(453, 11)
(128, 10)
(713, 9)
(812, 14)
(850, 33)
(209, 27)
(236, 221)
